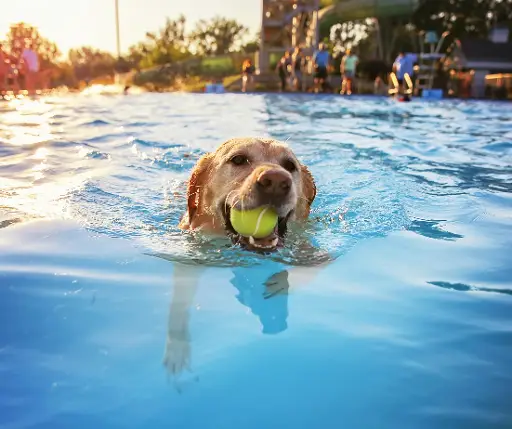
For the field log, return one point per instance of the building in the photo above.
(482, 57)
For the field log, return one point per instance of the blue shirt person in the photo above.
(402, 65)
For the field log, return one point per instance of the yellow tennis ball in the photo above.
(258, 223)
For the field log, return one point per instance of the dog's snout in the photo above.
(274, 182)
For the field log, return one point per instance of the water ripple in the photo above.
(380, 167)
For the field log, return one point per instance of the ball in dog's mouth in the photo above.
(272, 242)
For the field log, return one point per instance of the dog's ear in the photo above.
(196, 184)
(308, 186)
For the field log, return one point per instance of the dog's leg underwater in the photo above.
(177, 346)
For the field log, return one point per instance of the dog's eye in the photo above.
(239, 160)
(289, 165)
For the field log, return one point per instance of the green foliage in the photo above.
(166, 46)
(217, 36)
(217, 65)
(90, 63)
(462, 17)
(157, 77)
(251, 47)
(47, 50)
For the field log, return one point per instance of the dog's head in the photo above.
(246, 173)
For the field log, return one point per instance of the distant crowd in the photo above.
(22, 71)
(294, 65)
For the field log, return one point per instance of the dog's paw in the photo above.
(177, 355)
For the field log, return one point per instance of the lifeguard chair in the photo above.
(429, 61)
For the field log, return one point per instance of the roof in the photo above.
(486, 50)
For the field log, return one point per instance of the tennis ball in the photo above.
(258, 223)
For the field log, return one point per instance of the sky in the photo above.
(74, 23)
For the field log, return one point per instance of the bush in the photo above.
(217, 66)
(370, 69)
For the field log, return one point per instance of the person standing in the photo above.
(247, 75)
(348, 71)
(401, 67)
(282, 70)
(29, 64)
(297, 68)
(321, 61)
(4, 68)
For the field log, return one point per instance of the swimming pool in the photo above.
(409, 327)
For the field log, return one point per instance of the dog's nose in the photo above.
(274, 182)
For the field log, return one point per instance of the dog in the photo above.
(245, 173)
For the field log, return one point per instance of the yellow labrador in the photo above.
(246, 173)
(243, 173)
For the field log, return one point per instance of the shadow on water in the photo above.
(461, 287)
(431, 229)
(262, 289)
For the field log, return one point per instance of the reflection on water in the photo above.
(410, 311)
(263, 292)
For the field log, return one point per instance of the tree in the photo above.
(348, 35)
(462, 17)
(217, 36)
(166, 46)
(47, 50)
(90, 63)
(458, 17)
(253, 45)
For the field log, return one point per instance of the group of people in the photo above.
(292, 67)
(19, 71)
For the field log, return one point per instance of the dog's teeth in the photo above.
(274, 242)
(251, 241)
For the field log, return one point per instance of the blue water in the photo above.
(112, 318)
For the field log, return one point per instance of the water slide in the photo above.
(351, 10)
(278, 16)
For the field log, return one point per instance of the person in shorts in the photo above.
(321, 60)
(348, 71)
(403, 65)
(247, 75)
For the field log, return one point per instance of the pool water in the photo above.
(112, 318)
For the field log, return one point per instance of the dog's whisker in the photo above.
(227, 198)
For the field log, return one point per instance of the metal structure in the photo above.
(351, 10)
(289, 23)
(118, 37)
(429, 59)
(286, 24)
